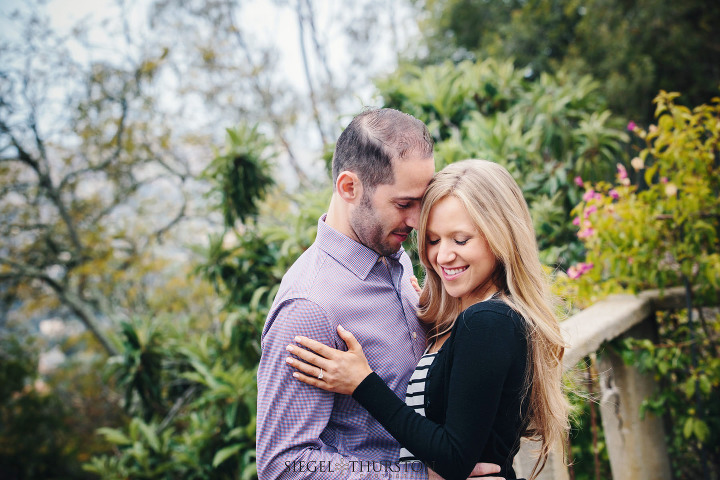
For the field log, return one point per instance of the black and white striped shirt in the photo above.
(415, 396)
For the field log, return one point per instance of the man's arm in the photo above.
(291, 415)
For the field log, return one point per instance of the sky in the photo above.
(265, 22)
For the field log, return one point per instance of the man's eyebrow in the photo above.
(408, 199)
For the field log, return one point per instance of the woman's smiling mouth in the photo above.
(453, 272)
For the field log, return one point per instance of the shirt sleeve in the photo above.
(291, 415)
(485, 346)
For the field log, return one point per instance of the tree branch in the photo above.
(308, 77)
(265, 98)
(70, 300)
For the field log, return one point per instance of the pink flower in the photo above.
(597, 196)
(614, 194)
(576, 271)
(573, 272)
(591, 209)
(586, 232)
(663, 179)
(579, 181)
(631, 126)
(576, 221)
(589, 195)
(585, 267)
(622, 173)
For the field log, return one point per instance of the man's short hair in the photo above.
(374, 139)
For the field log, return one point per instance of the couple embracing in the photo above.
(366, 375)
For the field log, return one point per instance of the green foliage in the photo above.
(241, 174)
(658, 227)
(40, 437)
(666, 232)
(690, 393)
(192, 414)
(632, 48)
(545, 132)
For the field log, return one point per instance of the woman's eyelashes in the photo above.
(457, 241)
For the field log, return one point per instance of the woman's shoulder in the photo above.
(493, 313)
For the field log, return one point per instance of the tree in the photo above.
(633, 48)
(84, 168)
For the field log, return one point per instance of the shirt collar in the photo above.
(354, 256)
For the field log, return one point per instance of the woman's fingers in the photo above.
(317, 347)
(315, 360)
(306, 368)
(310, 380)
(349, 339)
(415, 284)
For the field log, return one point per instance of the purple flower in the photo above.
(589, 195)
(576, 221)
(579, 181)
(631, 126)
(614, 194)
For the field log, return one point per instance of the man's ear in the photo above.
(349, 186)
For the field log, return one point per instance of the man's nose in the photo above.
(412, 219)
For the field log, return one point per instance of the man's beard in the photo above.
(369, 229)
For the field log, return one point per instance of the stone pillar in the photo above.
(636, 448)
(555, 468)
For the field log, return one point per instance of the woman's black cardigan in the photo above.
(475, 397)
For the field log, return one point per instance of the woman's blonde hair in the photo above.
(496, 204)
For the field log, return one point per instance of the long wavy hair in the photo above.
(494, 201)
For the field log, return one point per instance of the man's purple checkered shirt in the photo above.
(305, 432)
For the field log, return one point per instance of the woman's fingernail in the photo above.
(289, 348)
(341, 328)
(298, 339)
(289, 360)
(296, 375)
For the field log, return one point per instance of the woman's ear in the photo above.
(349, 186)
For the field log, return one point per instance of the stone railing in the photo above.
(636, 447)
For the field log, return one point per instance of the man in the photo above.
(355, 274)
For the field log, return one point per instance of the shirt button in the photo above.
(414, 335)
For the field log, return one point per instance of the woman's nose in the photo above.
(446, 254)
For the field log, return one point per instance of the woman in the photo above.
(492, 371)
